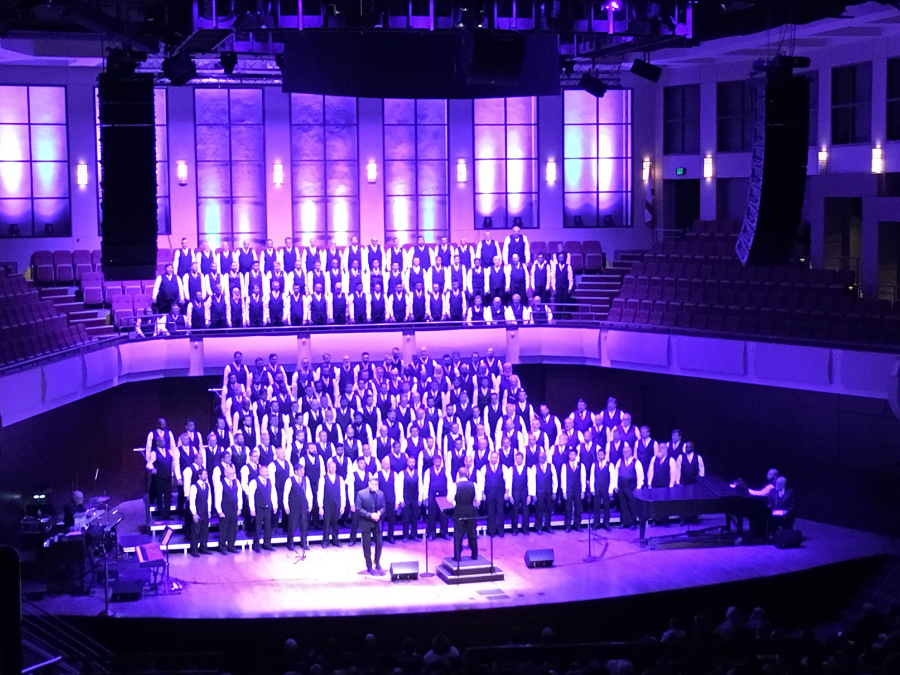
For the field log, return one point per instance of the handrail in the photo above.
(62, 629)
(38, 666)
(83, 348)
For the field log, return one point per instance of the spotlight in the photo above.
(517, 222)
(13, 230)
(592, 85)
(487, 223)
(578, 221)
(179, 69)
(646, 70)
(229, 61)
(567, 66)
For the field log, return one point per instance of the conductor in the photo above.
(464, 515)
(370, 507)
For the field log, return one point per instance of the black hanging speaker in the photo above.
(539, 557)
(405, 571)
(778, 170)
(128, 163)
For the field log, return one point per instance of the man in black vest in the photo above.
(522, 489)
(410, 511)
(781, 504)
(298, 503)
(201, 505)
(262, 502)
(600, 487)
(434, 485)
(371, 508)
(229, 503)
(545, 488)
(464, 514)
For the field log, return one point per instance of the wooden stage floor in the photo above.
(333, 582)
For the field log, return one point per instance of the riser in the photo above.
(448, 578)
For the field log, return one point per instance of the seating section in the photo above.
(31, 327)
(62, 268)
(698, 284)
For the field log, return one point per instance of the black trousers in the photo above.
(519, 507)
(298, 519)
(161, 496)
(436, 515)
(573, 511)
(315, 520)
(543, 509)
(410, 520)
(368, 531)
(464, 527)
(354, 526)
(495, 515)
(199, 534)
(389, 522)
(601, 508)
(626, 506)
(262, 525)
(330, 523)
(227, 531)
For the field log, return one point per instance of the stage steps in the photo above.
(468, 571)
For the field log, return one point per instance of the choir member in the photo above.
(200, 506)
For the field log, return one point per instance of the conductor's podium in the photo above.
(468, 571)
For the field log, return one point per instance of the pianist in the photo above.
(73, 507)
(781, 506)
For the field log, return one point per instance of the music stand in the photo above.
(168, 586)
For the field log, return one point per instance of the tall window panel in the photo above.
(851, 104)
(597, 159)
(734, 116)
(506, 171)
(160, 113)
(231, 173)
(34, 163)
(415, 169)
(325, 165)
(681, 120)
(893, 99)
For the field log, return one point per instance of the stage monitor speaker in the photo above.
(539, 557)
(128, 170)
(455, 64)
(126, 591)
(777, 170)
(405, 571)
(788, 539)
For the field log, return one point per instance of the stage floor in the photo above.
(333, 582)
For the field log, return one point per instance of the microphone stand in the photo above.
(426, 574)
(590, 557)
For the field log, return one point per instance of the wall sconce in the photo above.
(551, 171)
(707, 167)
(461, 172)
(278, 174)
(823, 160)
(645, 170)
(372, 171)
(81, 174)
(877, 160)
(182, 173)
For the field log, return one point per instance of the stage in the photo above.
(333, 582)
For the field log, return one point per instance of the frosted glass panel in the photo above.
(212, 143)
(159, 106)
(432, 142)
(400, 142)
(249, 216)
(309, 179)
(15, 105)
(489, 111)
(248, 179)
(432, 178)
(15, 179)
(247, 142)
(614, 140)
(400, 215)
(520, 110)
(580, 175)
(431, 111)
(15, 212)
(490, 176)
(213, 179)
(52, 212)
(341, 179)
(162, 179)
(162, 143)
(581, 204)
(520, 176)
(489, 142)
(306, 109)
(399, 178)
(340, 142)
(48, 143)
(47, 104)
(399, 111)
(520, 142)
(14, 142)
(579, 107)
(307, 142)
(50, 179)
(432, 216)
(246, 106)
(211, 106)
(491, 205)
(580, 140)
(309, 215)
(214, 216)
(340, 110)
(523, 206)
(342, 213)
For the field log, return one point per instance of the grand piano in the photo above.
(709, 495)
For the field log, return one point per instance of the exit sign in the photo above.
(679, 170)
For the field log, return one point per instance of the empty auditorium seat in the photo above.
(42, 267)
(81, 259)
(62, 267)
(538, 247)
(95, 260)
(164, 256)
(122, 309)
